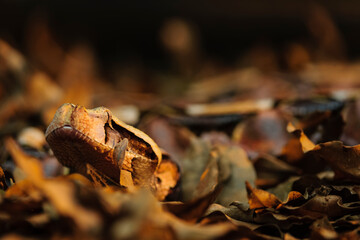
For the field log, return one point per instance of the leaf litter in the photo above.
(239, 161)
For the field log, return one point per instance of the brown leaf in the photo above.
(319, 117)
(264, 133)
(210, 178)
(32, 137)
(139, 219)
(322, 229)
(226, 165)
(167, 178)
(344, 160)
(3, 185)
(192, 210)
(243, 107)
(259, 199)
(174, 139)
(60, 193)
(271, 170)
(31, 166)
(24, 188)
(236, 211)
(267, 222)
(41, 92)
(319, 206)
(297, 145)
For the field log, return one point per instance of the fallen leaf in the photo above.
(240, 170)
(344, 160)
(350, 135)
(248, 106)
(192, 210)
(320, 206)
(3, 185)
(32, 137)
(173, 138)
(260, 199)
(297, 146)
(271, 170)
(167, 179)
(322, 229)
(60, 193)
(193, 165)
(264, 133)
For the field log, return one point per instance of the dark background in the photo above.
(123, 32)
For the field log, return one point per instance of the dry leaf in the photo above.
(32, 137)
(263, 133)
(3, 185)
(344, 160)
(240, 170)
(60, 193)
(194, 209)
(244, 107)
(167, 179)
(259, 199)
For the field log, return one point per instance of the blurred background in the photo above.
(110, 53)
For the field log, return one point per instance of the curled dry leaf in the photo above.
(320, 206)
(242, 216)
(213, 164)
(319, 117)
(297, 146)
(209, 185)
(288, 223)
(237, 211)
(244, 222)
(259, 199)
(291, 215)
(192, 210)
(344, 160)
(211, 177)
(283, 189)
(297, 152)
